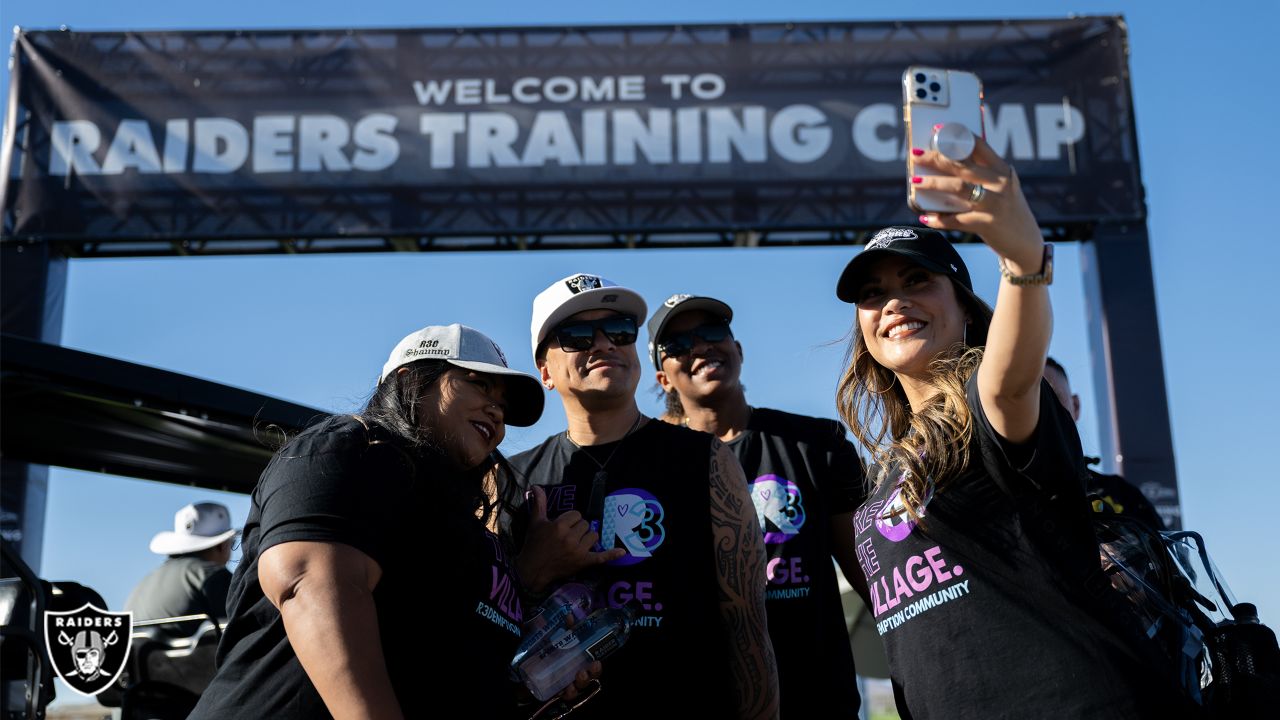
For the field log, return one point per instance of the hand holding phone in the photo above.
(933, 97)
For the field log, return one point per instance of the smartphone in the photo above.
(933, 96)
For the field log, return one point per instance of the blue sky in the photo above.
(317, 329)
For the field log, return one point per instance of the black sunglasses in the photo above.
(580, 335)
(681, 344)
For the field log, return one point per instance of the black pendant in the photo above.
(595, 504)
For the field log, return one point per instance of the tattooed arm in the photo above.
(739, 554)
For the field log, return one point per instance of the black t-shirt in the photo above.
(977, 621)
(801, 471)
(1112, 493)
(656, 504)
(448, 609)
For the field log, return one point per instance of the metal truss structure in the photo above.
(258, 65)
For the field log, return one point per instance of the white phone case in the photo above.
(932, 96)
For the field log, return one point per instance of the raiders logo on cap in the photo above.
(886, 237)
(580, 283)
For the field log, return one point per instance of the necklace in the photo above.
(601, 465)
(595, 505)
(750, 411)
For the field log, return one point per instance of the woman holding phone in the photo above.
(978, 618)
(370, 585)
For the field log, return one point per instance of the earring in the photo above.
(887, 389)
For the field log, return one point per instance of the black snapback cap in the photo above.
(928, 248)
(675, 305)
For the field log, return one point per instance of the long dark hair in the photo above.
(874, 405)
(394, 408)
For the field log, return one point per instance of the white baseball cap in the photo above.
(471, 349)
(196, 527)
(578, 293)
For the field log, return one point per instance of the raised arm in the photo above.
(324, 592)
(1009, 376)
(739, 554)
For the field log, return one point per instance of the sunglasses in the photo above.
(580, 335)
(681, 344)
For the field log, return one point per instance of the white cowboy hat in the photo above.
(196, 527)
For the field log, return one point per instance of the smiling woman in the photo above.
(947, 396)
(464, 414)
(324, 601)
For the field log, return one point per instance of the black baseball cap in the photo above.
(925, 247)
(929, 249)
(675, 305)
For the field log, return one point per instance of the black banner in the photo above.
(312, 134)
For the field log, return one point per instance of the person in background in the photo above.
(1110, 492)
(805, 481)
(649, 514)
(194, 579)
(367, 559)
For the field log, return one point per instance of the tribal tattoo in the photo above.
(740, 558)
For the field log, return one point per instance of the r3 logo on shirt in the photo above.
(779, 508)
(894, 522)
(632, 520)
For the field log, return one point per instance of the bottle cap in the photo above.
(1245, 612)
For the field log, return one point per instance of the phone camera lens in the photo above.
(935, 86)
(920, 93)
(920, 78)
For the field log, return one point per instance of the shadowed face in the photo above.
(465, 412)
(1062, 389)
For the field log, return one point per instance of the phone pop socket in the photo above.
(953, 141)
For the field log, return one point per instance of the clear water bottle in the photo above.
(570, 599)
(574, 597)
(551, 664)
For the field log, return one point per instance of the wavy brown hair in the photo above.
(931, 445)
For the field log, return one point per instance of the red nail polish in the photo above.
(917, 152)
(924, 219)
(938, 126)
(917, 180)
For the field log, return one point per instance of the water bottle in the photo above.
(568, 599)
(551, 665)
(1246, 666)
